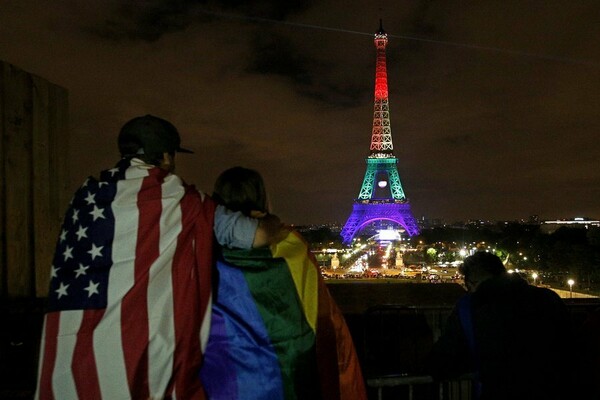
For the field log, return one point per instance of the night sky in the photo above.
(495, 105)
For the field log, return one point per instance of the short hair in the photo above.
(481, 265)
(241, 189)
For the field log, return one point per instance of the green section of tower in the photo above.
(385, 166)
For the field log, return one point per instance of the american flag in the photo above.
(129, 298)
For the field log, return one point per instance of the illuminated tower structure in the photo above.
(381, 196)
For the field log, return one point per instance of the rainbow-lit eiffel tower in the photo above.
(381, 196)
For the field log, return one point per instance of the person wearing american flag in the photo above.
(128, 308)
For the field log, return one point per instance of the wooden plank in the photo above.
(60, 127)
(33, 179)
(3, 289)
(44, 232)
(17, 173)
(57, 176)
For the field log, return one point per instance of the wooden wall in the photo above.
(33, 179)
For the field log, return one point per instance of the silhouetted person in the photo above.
(587, 364)
(514, 336)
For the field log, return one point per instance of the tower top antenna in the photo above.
(381, 31)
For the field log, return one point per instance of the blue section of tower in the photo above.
(381, 197)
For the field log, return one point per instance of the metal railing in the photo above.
(388, 340)
(456, 389)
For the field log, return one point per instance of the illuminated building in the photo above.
(578, 222)
(381, 196)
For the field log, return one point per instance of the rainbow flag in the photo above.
(276, 333)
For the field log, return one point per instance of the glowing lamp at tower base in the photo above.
(389, 234)
(382, 184)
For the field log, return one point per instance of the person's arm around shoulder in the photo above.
(235, 230)
(270, 230)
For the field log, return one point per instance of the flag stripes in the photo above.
(125, 303)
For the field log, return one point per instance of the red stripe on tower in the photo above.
(381, 86)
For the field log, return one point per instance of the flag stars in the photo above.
(68, 253)
(54, 272)
(75, 216)
(92, 288)
(91, 198)
(63, 235)
(102, 183)
(62, 290)
(113, 171)
(95, 251)
(81, 233)
(97, 213)
(81, 270)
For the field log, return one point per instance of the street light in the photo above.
(534, 276)
(571, 282)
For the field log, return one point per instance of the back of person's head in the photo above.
(481, 266)
(241, 189)
(148, 138)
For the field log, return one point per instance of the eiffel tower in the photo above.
(387, 201)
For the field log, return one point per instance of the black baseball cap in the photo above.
(150, 136)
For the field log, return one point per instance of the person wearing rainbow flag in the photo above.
(276, 332)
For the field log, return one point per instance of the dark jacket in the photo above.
(522, 342)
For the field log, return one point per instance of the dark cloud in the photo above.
(424, 19)
(144, 20)
(338, 94)
(457, 140)
(151, 19)
(274, 54)
(278, 55)
(271, 9)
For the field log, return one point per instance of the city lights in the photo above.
(571, 282)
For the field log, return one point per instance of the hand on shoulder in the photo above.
(270, 229)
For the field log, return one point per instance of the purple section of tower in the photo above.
(366, 213)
